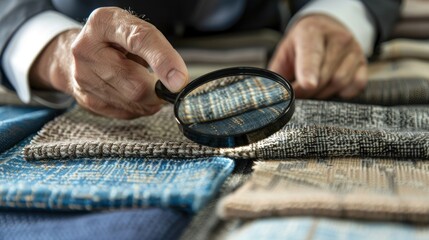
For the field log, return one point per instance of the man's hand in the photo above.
(321, 58)
(104, 65)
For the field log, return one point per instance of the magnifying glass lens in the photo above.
(232, 107)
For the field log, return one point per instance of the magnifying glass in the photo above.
(231, 107)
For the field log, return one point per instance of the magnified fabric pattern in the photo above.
(243, 122)
(230, 99)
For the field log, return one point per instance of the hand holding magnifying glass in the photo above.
(232, 107)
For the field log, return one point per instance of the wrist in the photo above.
(52, 68)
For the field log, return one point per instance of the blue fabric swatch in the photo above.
(302, 228)
(91, 184)
(121, 224)
(16, 123)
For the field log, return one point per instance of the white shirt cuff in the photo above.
(27, 43)
(351, 13)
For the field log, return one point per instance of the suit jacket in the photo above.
(165, 14)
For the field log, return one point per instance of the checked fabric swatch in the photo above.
(109, 183)
(376, 189)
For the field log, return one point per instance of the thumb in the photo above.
(136, 36)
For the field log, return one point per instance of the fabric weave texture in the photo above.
(317, 129)
(376, 189)
(152, 223)
(109, 183)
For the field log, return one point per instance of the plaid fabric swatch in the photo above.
(317, 129)
(231, 99)
(109, 183)
(302, 228)
(17, 123)
(386, 189)
(154, 223)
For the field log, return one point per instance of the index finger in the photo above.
(115, 25)
(310, 49)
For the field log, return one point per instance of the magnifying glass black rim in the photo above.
(239, 139)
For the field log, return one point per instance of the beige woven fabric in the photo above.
(405, 48)
(79, 133)
(385, 189)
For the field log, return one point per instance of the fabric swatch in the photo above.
(415, 9)
(317, 129)
(153, 223)
(399, 75)
(376, 189)
(405, 49)
(109, 183)
(303, 228)
(17, 123)
(206, 224)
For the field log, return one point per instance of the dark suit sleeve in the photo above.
(12, 15)
(385, 14)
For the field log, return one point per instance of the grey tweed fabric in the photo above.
(317, 129)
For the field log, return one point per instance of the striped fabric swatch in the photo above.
(304, 228)
(109, 183)
(367, 188)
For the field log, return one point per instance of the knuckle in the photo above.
(361, 83)
(339, 79)
(344, 39)
(139, 92)
(101, 14)
(91, 103)
(140, 35)
(78, 77)
(78, 47)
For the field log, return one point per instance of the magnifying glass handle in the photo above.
(165, 94)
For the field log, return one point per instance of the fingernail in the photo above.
(175, 80)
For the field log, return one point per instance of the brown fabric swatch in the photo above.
(399, 75)
(362, 188)
(405, 48)
(399, 81)
(317, 129)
